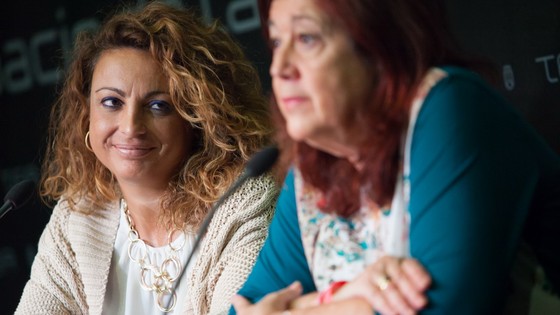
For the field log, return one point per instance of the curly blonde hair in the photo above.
(213, 87)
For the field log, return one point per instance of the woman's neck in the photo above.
(144, 206)
(344, 149)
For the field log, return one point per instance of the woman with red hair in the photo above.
(412, 185)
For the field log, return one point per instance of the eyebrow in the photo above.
(123, 94)
(324, 27)
(298, 18)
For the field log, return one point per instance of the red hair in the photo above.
(401, 40)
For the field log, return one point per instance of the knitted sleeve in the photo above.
(55, 286)
(232, 243)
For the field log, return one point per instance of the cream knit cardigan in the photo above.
(70, 272)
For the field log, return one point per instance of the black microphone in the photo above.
(259, 163)
(17, 196)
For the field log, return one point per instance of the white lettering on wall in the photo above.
(16, 74)
(241, 15)
(206, 10)
(43, 76)
(551, 70)
(238, 24)
(509, 78)
(22, 61)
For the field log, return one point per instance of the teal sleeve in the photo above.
(475, 168)
(282, 259)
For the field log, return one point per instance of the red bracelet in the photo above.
(327, 295)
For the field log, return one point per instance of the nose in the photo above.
(283, 63)
(132, 119)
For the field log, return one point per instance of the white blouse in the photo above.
(124, 294)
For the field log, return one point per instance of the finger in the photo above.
(282, 298)
(294, 290)
(380, 304)
(396, 300)
(387, 286)
(239, 302)
(416, 272)
(379, 266)
(411, 296)
(414, 298)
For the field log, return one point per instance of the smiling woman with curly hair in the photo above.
(157, 117)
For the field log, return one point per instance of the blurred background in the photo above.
(521, 38)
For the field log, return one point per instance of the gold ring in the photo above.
(383, 282)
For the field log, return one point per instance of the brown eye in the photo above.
(308, 40)
(160, 108)
(111, 102)
(273, 43)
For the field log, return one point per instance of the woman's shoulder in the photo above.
(257, 196)
(464, 98)
(461, 73)
(262, 183)
(459, 80)
(59, 218)
(62, 211)
(74, 219)
(259, 189)
(81, 208)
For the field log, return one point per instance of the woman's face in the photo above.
(134, 130)
(318, 78)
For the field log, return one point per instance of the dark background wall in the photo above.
(520, 37)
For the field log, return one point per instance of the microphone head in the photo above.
(20, 193)
(261, 161)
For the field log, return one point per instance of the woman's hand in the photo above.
(273, 303)
(391, 286)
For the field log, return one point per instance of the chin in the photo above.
(318, 146)
(298, 134)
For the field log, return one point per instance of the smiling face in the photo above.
(134, 130)
(318, 78)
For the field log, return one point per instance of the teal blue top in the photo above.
(481, 180)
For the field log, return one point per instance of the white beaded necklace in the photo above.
(155, 278)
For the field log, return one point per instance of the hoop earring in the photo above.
(86, 140)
